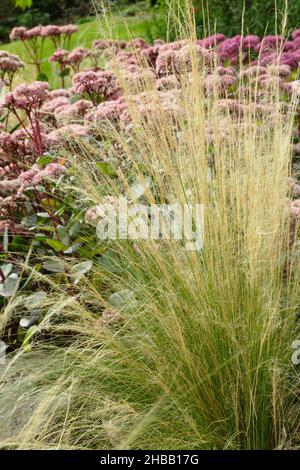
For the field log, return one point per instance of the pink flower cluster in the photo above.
(13, 197)
(269, 50)
(33, 39)
(100, 84)
(108, 44)
(16, 146)
(26, 96)
(72, 59)
(10, 62)
(9, 65)
(233, 68)
(53, 31)
(30, 178)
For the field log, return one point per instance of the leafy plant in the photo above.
(23, 4)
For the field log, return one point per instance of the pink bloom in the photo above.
(212, 41)
(225, 70)
(51, 106)
(250, 41)
(283, 70)
(138, 42)
(167, 83)
(33, 33)
(6, 144)
(53, 170)
(17, 33)
(296, 43)
(60, 55)
(10, 63)
(229, 48)
(285, 58)
(270, 43)
(77, 55)
(50, 30)
(215, 81)
(31, 178)
(253, 70)
(65, 133)
(295, 87)
(288, 46)
(91, 217)
(10, 101)
(33, 94)
(69, 29)
(58, 92)
(296, 34)
(75, 110)
(90, 82)
(234, 106)
(101, 44)
(166, 62)
(295, 208)
(108, 110)
(106, 44)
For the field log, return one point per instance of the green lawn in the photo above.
(145, 25)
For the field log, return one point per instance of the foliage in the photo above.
(261, 17)
(23, 4)
(226, 16)
(40, 12)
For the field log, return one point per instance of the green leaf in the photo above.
(6, 269)
(72, 249)
(56, 244)
(110, 261)
(75, 98)
(35, 300)
(63, 73)
(29, 220)
(23, 4)
(18, 244)
(63, 235)
(44, 215)
(122, 297)
(80, 269)
(106, 168)
(42, 77)
(44, 160)
(74, 229)
(53, 266)
(8, 287)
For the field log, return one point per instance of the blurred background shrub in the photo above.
(41, 12)
(224, 15)
(259, 18)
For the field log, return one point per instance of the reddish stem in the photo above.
(21, 123)
(37, 138)
(2, 275)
